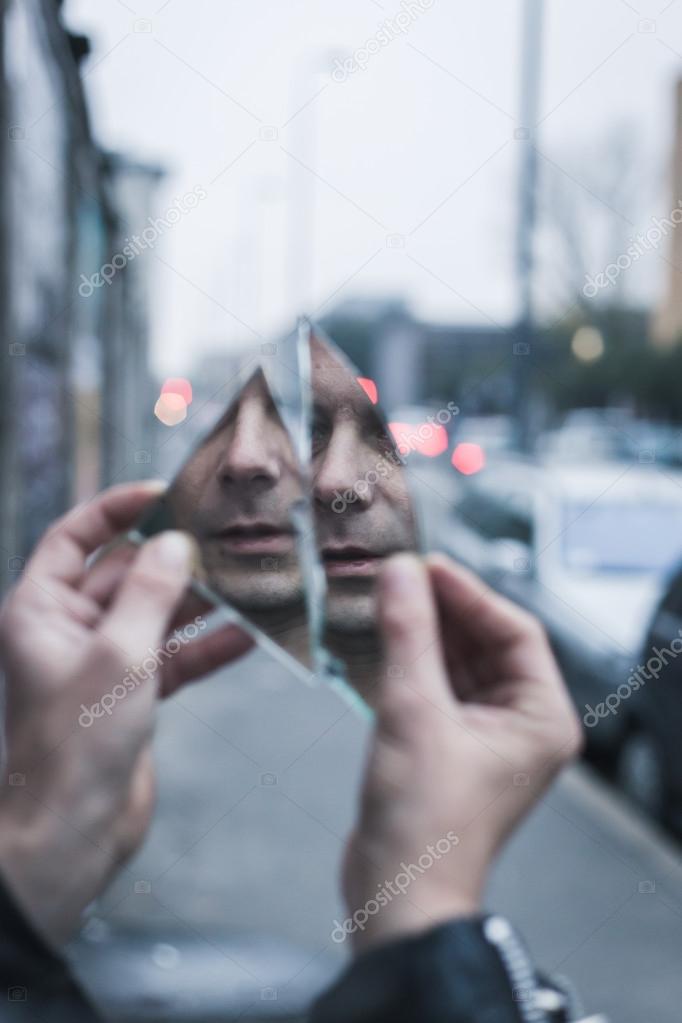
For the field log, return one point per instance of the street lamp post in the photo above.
(531, 59)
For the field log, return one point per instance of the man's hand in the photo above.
(80, 791)
(473, 722)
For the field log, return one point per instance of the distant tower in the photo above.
(667, 325)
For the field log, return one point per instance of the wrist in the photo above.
(19, 850)
(37, 869)
(408, 916)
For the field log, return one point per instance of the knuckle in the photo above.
(532, 627)
(401, 708)
(406, 620)
(384, 784)
(52, 530)
(574, 737)
(55, 531)
(565, 736)
(393, 618)
(106, 657)
(145, 582)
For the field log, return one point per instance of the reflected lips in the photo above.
(350, 561)
(256, 538)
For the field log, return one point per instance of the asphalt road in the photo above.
(258, 778)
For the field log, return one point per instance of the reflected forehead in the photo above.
(334, 387)
(254, 391)
(254, 394)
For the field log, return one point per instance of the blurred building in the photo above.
(75, 395)
(129, 394)
(412, 361)
(667, 323)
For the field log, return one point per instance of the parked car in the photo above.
(649, 764)
(587, 549)
(611, 435)
(494, 434)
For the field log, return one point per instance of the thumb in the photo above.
(410, 630)
(147, 599)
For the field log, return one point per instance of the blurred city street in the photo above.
(258, 779)
(258, 782)
(289, 259)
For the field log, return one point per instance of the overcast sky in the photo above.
(399, 180)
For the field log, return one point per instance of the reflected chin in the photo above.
(258, 589)
(351, 609)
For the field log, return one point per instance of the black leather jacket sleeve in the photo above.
(451, 974)
(36, 985)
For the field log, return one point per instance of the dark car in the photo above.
(586, 548)
(650, 757)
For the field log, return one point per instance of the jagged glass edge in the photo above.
(229, 613)
(223, 613)
(291, 387)
(334, 674)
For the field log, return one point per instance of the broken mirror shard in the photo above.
(296, 497)
(242, 495)
(363, 509)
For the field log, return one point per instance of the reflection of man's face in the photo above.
(353, 457)
(235, 496)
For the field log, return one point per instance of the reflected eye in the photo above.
(382, 439)
(320, 433)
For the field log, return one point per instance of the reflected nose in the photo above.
(342, 475)
(250, 454)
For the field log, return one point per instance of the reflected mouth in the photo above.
(351, 561)
(256, 538)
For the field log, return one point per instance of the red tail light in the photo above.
(468, 458)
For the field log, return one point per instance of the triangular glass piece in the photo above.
(243, 495)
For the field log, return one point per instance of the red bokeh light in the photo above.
(171, 409)
(370, 389)
(468, 458)
(434, 444)
(424, 438)
(178, 385)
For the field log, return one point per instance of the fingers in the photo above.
(509, 641)
(62, 553)
(471, 606)
(148, 597)
(105, 576)
(202, 656)
(409, 626)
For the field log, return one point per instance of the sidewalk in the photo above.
(257, 785)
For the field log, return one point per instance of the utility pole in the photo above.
(531, 64)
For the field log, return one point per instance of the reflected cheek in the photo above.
(189, 495)
(394, 521)
(395, 493)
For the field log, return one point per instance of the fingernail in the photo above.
(154, 486)
(401, 574)
(175, 549)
